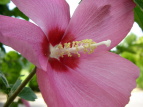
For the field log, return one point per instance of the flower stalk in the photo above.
(19, 89)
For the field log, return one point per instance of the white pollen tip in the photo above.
(107, 43)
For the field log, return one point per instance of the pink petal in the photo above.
(100, 80)
(24, 37)
(102, 20)
(48, 14)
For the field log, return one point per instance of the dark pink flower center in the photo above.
(55, 37)
(63, 50)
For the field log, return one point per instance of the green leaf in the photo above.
(2, 47)
(130, 39)
(15, 86)
(138, 16)
(4, 1)
(4, 80)
(14, 104)
(17, 13)
(129, 56)
(4, 10)
(139, 3)
(10, 66)
(27, 94)
(140, 79)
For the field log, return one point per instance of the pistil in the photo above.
(86, 46)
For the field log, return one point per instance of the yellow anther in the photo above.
(60, 46)
(68, 45)
(78, 54)
(76, 47)
(69, 54)
(62, 54)
(73, 43)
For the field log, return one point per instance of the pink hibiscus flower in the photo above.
(67, 75)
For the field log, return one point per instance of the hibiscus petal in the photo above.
(25, 102)
(100, 80)
(102, 20)
(24, 37)
(48, 14)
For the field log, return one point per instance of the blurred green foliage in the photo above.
(13, 66)
(4, 1)
(14, 69)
